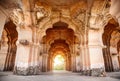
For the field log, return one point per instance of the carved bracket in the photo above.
(17, 16)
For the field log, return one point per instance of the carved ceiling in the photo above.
(60, 3)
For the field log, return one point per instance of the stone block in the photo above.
(31, 70)
(99, 72)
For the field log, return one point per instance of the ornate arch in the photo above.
(48, 23)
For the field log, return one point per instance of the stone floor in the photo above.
(58, 76)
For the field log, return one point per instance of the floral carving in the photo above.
(41, 12)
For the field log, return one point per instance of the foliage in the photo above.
(59, 63)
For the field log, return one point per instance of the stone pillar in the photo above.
(27, 56)
(23, 54)
(34, 65)
(107, 59)
(3, 51)
(95, 52)
(119, 57)
(82, 58)
(85, 59)
(44, 62)
(67, 63)
(73, 62)
(78, 63)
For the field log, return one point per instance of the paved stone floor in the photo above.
(58, 76)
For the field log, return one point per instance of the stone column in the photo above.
(67, 63)
(23, 53)
(82, 58)
(44, 62)
(119, 57)
(85, 59)
(95, 52)
(3, 51)
(34, 57)
(34, 66)
(107, 59)
(73, 62)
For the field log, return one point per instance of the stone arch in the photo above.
(114, 41)
(11, 48)
(69, 38)
(47, 23)
(62, 48)
(106, 37)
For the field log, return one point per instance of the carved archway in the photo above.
(107, 35)
(60, 38)
(62, 48)
(78, 28)
(12, 36)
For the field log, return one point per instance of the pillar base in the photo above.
(98, 72)
(31, 70)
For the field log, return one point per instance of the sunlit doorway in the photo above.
(59, 63)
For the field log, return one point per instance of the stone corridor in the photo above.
(58, 76)
(86, 33)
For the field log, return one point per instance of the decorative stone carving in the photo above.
(17, 16)
(41, 12)
(78, 18)
(79, 15)
(65, 13)
(100, 14)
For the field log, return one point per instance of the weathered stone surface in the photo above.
(100, 72)
(31, 70)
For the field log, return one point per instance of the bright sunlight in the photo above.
(59, 63)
